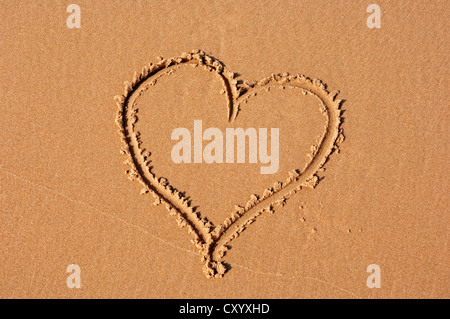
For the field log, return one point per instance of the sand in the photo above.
(362, 150)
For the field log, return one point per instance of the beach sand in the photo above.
(363, 149)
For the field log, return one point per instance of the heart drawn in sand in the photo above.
(213, 241)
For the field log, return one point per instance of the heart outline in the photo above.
(213, 241)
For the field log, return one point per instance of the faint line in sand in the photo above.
(296, 275)
(80, 202)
